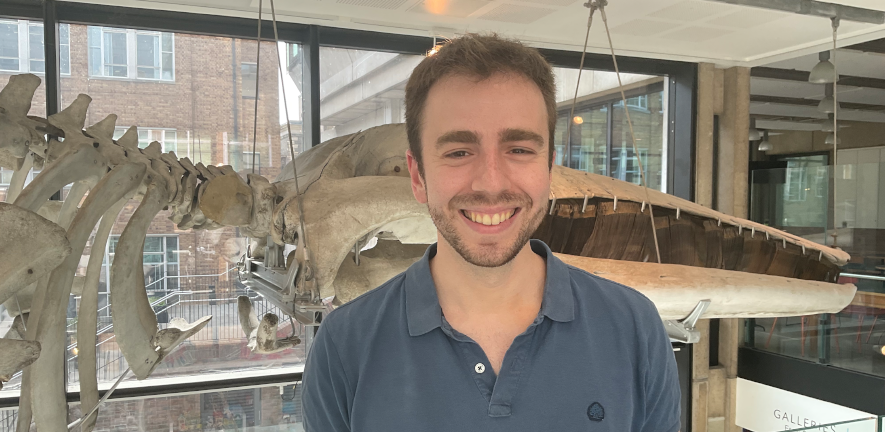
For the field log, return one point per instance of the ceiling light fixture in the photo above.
(826, 104)
(831, 139)
(823, 72)
(765, 145)
(755, 135)
(827, 125)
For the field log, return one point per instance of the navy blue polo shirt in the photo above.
(597, 358)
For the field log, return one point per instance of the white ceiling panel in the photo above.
(687, 30)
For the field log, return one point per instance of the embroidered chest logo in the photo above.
(596, 412)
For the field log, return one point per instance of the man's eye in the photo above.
(521, 151)
(457, 154)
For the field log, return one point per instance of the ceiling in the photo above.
(687, 30)
(783, 100)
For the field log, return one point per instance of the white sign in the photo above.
(761, 408)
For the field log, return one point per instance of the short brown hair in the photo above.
(480, 56)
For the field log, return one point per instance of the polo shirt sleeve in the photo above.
(326, 393)
(662, 393)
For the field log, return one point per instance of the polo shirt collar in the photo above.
(422, 304)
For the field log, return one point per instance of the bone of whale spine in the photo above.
(47, 385)
(87, 316)
(79, 165)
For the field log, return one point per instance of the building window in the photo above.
(247, 161)
(132, 54)
(22, 47)
(248, 72)
(160, 262)
(168, 138)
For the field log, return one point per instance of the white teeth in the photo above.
(486, 219)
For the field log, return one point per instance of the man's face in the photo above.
(485, 156)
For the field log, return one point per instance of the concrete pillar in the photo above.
(700, 372)
(704, 132)
(725, 93)
(734, 147)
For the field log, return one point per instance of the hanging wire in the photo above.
(571, 118)
(835, 23)
(601, 5)
(257, 69)
(300, 195)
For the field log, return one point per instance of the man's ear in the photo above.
(552, 162)
(418, 187)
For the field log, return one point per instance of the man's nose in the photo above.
(492, 174)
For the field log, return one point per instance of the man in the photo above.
(489, 331)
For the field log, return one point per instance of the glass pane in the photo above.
(261, 409)
(64, 41)
(197, 264)
(600, 140)
(153, 244)
(247, 72)
(167, 41)
(94, 45)
(153, 258)
(35, 48)
(115, 57)
(647, 114)
(167, 66)
(842, 207)
(144, 138)
(148, 56)
(9, 58)
(170, 141)
(381, 78)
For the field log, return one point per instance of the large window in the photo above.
(133, 54)
(21, 47)
(361, 89)
(188, 273)
(597, 137)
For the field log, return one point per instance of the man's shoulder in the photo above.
(369, 307)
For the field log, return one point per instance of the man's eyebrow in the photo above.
(515, 135)
(458, 136)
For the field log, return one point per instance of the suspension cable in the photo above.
(257, 69)
(835, 23)
(300, 195)
(571, 118)
(601, 5)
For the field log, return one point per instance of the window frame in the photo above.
(132, 65)
(680, 86)
(24, 48)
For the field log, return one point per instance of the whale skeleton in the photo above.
(365, 227)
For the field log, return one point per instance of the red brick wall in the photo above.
(204, 103)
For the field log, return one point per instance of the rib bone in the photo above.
(47, 385)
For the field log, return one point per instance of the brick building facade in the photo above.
(202, 107)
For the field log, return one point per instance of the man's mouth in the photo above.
(489, 218)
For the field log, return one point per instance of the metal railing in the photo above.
(223, 334)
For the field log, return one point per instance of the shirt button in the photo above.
(480, 368)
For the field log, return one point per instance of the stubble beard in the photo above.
(486, 256)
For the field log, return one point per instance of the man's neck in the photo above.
(467, 291)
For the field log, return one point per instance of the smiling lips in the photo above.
(488, 219)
